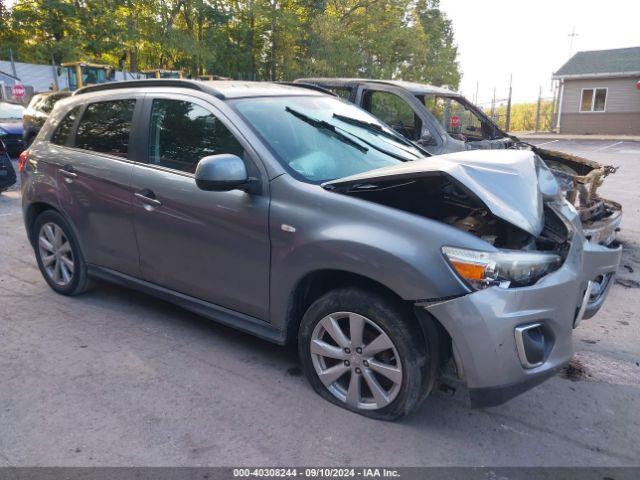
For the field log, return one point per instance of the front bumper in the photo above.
(603, 232)
(482, 324)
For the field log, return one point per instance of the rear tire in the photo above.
(58, 254)
(366, 353)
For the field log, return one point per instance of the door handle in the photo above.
(147, 198)
(67, 171)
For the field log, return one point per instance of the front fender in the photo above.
(313, 230)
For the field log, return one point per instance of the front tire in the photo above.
(58, 254)
(365, 353)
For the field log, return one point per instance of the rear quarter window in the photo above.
(63, 133)
(105, 127)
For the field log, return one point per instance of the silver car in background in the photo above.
(297, 217)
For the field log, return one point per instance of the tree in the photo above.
(247, 39)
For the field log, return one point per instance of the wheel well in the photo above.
(33, 211)
(316, 284)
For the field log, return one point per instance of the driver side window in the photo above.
(181, 133)
(395, 112)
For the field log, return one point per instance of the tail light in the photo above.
(22, 160)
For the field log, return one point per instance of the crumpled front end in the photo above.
(507, 340)
(580, 179)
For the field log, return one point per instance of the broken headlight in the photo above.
(504, 268)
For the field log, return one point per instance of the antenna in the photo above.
(572, 35)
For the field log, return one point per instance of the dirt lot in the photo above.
(115, 377)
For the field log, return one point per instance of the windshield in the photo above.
(9, 110)
(460, 121)
(319, 138)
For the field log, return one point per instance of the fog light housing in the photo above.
(533, 343)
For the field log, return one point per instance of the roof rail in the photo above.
(152, 82)
(310, 86)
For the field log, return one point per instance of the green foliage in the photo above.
(523, 116)
(247, 39)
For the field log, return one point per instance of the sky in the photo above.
(530, 39)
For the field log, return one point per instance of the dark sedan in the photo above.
(37, 112)
(11, 127)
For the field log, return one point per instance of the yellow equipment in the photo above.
(81, 74)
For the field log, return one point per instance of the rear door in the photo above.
(94, 176)
(210, 245)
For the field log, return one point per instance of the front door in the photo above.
(403, 112)
(210, 245)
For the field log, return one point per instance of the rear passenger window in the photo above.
(63, 132)
(181, 133)
(105, 127)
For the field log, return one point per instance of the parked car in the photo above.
(298, 217)
(443, 121)
(11, 127)
(37, 112)
(7, 173)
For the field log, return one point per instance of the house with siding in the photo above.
(599, 92)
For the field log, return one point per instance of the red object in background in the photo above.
(18, 91)
(22, 160)
(638, 85)
(454, 122)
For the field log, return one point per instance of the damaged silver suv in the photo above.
(296, 217)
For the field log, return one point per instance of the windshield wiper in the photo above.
(377, 129)
(374, 127)
(324, 125)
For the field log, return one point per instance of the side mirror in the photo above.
(221, 173)
(426, 139)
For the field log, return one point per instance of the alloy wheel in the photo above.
(56, 254)
(356, 360)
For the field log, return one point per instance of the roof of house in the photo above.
(619, 62)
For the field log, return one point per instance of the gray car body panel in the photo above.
(277, 236)
(492, 314)
(500, 181)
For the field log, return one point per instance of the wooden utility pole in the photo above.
(13, 64)
(54, 73)
(572, 35)
(508, 120)
(493, 105)
(538, 109)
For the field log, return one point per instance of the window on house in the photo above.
(593, 99)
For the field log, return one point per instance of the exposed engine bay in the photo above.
(579, 179)
(440, 197)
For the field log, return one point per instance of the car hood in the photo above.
(513, 184)
(12, 127)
